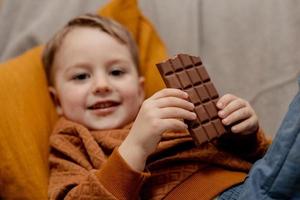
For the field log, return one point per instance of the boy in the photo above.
(92, 70)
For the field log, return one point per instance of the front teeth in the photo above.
(102, 105)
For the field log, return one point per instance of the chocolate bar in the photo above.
(187, 73)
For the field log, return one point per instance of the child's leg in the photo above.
(277, 174)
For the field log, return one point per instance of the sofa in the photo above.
(248, 47)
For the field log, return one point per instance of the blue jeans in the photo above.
(277, 174)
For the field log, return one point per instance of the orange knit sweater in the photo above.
(86, 165)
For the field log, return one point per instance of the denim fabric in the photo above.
(232, 193)
(277, 175)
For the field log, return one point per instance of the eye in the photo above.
(117, 72)
(80, 77)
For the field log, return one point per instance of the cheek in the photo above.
(72, 99)
(132, 97)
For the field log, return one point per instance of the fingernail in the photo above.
(219, 104)
(195, 116)
(221, 113)
(186, 94)
(233, 129)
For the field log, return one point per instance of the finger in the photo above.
(236, 116)
(174, 125)
(233, 106)
(225, 100)
(178, 113)
(174, 102)
(170, 92)
(245, 127)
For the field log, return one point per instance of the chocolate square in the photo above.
(187, 73)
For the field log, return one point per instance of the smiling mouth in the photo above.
(104, 105)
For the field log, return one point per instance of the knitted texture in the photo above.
(78, 158)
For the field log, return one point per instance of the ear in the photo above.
(55, 99)
(142, 88)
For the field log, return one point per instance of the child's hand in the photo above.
(164, 111)
(238, 113)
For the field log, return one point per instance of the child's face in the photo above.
(95, 80)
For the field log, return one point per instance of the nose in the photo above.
(101, 86)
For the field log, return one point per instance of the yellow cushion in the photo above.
(27, 113)
(27, 116)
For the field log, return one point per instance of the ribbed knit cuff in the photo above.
(119, 179)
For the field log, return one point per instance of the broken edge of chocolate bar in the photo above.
(187, 73)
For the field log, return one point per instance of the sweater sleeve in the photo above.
(79, 169)
(115, 180)
(116, 169)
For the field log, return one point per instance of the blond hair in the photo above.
(106, 25)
